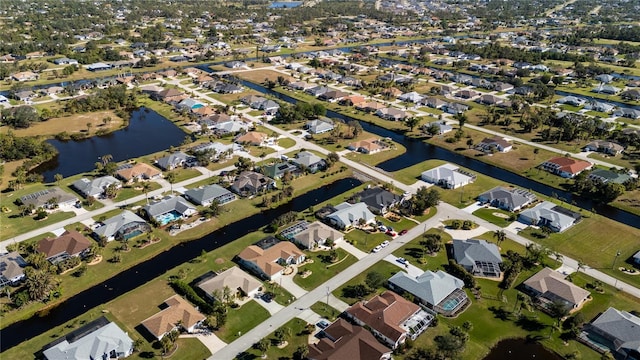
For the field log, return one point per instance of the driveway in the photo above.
(210, 340)
(359, 254)
(473, 207)
(466, 234)
(410, 269)
(272, 307)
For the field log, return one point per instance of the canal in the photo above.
(147, 132)
(146, 271)
(419, 151)
(520, 349)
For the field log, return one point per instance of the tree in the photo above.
(301, 352)
(58, 178)
(171, 178)
(424, 199)
(262, 346)
(39, 284)
(432, 243)
(146, 186)
(282, 335)
(412, 122)
(374, 280)
(470, 143)
(106, 159)
(462, 119)
(500, 236)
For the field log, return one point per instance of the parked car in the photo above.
(403, 232)
(267, 297)
(323, 324)
(402, 261)
(377, 248)
(382, 228)
(385, 243)
(391, 233)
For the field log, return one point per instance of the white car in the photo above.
(377, 248)
(384, 243)
(382, 228)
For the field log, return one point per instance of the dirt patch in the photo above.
(259, 76)
(95, 261)
(219, 261)
(500, 215)
(76, 123)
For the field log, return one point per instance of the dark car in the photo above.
(267, 297)
(322, 324)
(404, 232)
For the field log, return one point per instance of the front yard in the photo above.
(322, 268)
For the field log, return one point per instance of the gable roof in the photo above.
(384, 313)
(431, 287)
(513, 198)
(306, 158)
(569, 165)
(178, 310)
(11, 265)
(550, 281)
(447, 174)
(467, 252)
(70, 242)
(252, 137)
(172, 160)
(553, 215)
(233, 278)
(345, 341)
(40, 198)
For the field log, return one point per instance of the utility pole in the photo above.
(613, 266)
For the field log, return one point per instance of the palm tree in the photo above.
(58, 178)
(581, 266)
(106, 159)
(39, 284)
(559, 257)
(171, 178)
(500, 236)
(146, 186)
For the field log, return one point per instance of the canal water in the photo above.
(144, 272)
(147, 132)
(520, 349)
(419, 151)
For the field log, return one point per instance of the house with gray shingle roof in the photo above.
(347, 215)
(95, 187)
(615, 331)
(169, 209)
(319, 126)
(512, 199)
(479, 257)
(437, 290)
(122, 226)
(309, 161)
(172, 161)
(44, 198)
(11, 266)
(206, 195)
(606, 176)
(550, 215)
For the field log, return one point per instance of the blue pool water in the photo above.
(451, 304)
(164, 219)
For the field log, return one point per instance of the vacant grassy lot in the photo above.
(490, 216)
(629, 201)
(322, 269)
(595, 241)
(377, 158)
(286, 143)
(77, 123)
(259, 76)
(366, 242)
(295, 327)
(241, 320)
(386, 269)
(411, 174)
(324, 310)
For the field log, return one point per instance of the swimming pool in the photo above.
(450, 304)
(164, 219)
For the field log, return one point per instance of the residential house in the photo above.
(317, 234)
(269, 262)
(140, 171)
(434, 102)
(413, 97)
(502, 87)
(390, 113)
(277, 170)
(344, 341)
(379, 200)
(235, 64)
(478, 257)
(438, 290)
(599, 106)
(636, 258)
(170, 95)
(124, 226)
(548, 214)
(549, 286)
(448, 176)
(24, 95)
(604, 78)
(319, 126)
(603, 146)
(565, 167)
(391, 318)
(69, 244)
(169, 209)
(495, 143)
(99, 339)
(176, 314)
(173, 161)
(392, 92)
(467, 94)
(490, 100)
(189, 104)
(606, 89)
(50, 198)
(95, 187)
(239, 282)
(251, 183)
(348, 215)
(25, 76)
(615, 331)
(299, 85)
(333, 95)
(437, 127)
(252, 138)
(206, 195)
(510, 199)
(367, 146)
(317, 90)
(633, 94)
(308, 161)
(455, 108)
(627, 113)
(608, 176)
(572, 100)
(11, 269)
(65, 61)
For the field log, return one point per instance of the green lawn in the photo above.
(286, 142)
(326, 311)
(322, 269)
(297, 338)
(241, 320)
(385, 268)
(128, 192)
(591, 241)
(185, 174)
(489, 215)
(414, 252)
(366, 242)
(411, 174)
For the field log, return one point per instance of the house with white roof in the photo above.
(96, 187)
(438, 290)
(348, 215)
(550, 215)
(448, 176)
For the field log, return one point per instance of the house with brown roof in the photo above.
(252, 138)
(269, 262)
(169, 95)
(25, 76)
(239, 282)
(344, 341)
(354, 100)
(392, 92)
(391, 318)
(177, 313)
(549, 286)
(391, 113)
(603, 146)
(367, 146)
(69, 244)
(140, 171)
(495, 143)
(371, 106)
(565, 166)
(316, 234)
